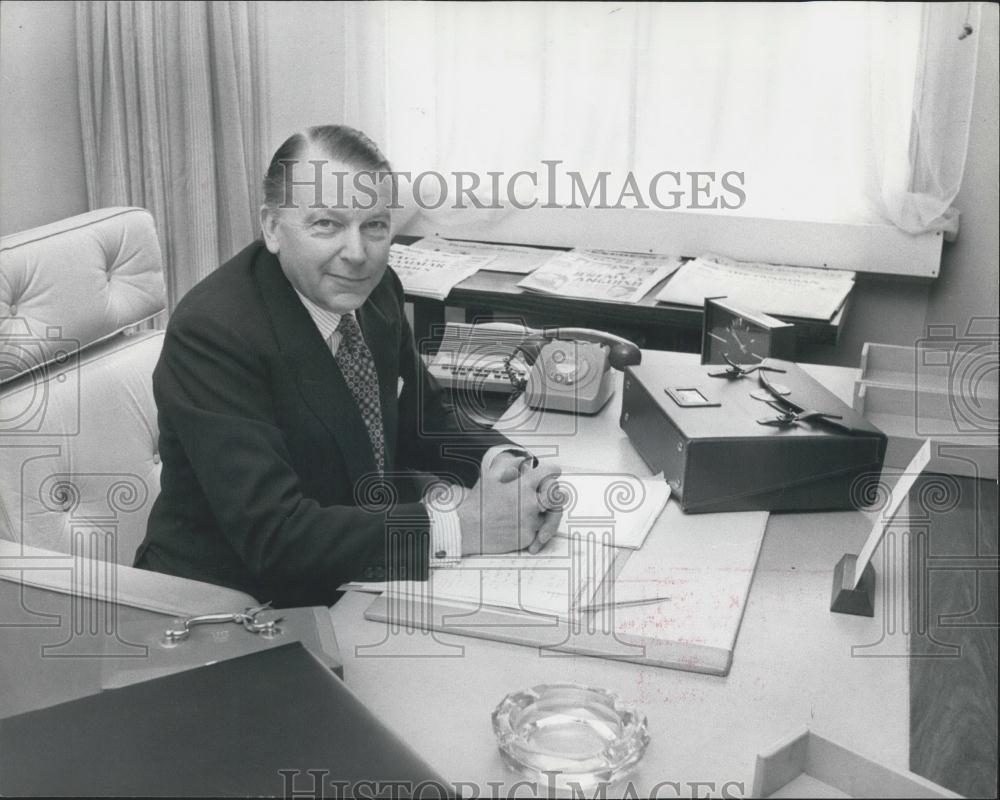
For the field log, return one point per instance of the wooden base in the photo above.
(845, 599)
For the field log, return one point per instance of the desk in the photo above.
(487, 295)
(795, 662)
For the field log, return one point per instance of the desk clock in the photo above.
(743, 336)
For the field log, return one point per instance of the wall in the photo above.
(41, 150)
(970, 268)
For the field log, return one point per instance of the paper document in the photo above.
(688, 585)
(785, 291)
(566, 574)
(430, 274)
(899, 493)
(616, 509)
(601, 275)
(506, 257)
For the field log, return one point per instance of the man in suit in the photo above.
(284, 432)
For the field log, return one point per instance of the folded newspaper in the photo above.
(601, 275)
(805, 292)
(506, 257)
(428, 273)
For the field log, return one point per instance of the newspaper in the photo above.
(601, 275)
(431, 274)
(507, 257)
(783, 291)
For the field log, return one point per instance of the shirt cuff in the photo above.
(441, 503)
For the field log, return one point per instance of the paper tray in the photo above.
(808, 765)
(948, 395)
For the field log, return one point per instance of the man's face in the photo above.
(335, 256)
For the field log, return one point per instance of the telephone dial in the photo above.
(570, 368)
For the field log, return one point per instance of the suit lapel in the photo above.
(320, 381)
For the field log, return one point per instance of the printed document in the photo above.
(601, 275)
(506, 257)
(430, 274)
(783, 291)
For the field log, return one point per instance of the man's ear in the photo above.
(268, 227)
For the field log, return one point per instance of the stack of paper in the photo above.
(617, 509)
(506, 257)
(604, 516)
(783, 291)
(601, 275)
(431, 274)
(566, 574)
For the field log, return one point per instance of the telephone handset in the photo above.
(570, 368)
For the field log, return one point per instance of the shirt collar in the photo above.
(325, 321)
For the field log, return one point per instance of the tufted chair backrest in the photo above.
(78, 463)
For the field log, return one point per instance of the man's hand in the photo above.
(511, 507)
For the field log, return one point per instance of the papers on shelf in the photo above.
(784, 291)
(568, 573)
(506, 257)
(601, 275)
(431, 274)
(622, 507)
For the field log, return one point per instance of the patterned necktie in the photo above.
(358, 367)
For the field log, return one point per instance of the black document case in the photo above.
(708, 436)
(248, 726)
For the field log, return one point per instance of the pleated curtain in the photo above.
(170, 101)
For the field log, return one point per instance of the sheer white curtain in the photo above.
(171, 115)
(854, 112)
(920, 126)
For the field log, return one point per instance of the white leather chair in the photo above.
(78, 463)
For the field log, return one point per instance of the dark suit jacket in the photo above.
(267, 471)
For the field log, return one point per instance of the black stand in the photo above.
(846, 599)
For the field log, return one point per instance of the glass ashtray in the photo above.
(569, 733)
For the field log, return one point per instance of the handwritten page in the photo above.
(899, 493)
(601, 275)
(506, 257)
(431, 274)
(785, 291)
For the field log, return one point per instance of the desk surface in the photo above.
(793, 664)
